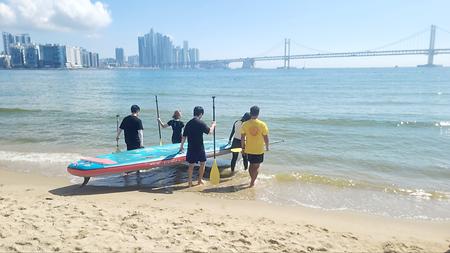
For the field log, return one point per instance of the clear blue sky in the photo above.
(236, 28)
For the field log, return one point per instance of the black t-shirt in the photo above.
(177, 126)
(194, 131)
(131, 124)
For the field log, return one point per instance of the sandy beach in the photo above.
(50, 214)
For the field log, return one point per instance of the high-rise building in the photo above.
(133, 60)
(31, 56)
(157, 50)
(94, 59)
(185, 53)
(120, 57)
(22, 38)
(73, 57)
(8, 40)
(142, 50)
(52, 56)
(85, 59)
(193, 57)
(17, 56)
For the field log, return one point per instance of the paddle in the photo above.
(157, 115)
(214, 176)
(237, 150)
(117, 131)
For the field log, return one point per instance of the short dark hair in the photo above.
(135, 109)
(245, 117)
(254, 111)
(198, 110)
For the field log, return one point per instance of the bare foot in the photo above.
(200, 182)
(251, 185)
(190, 184)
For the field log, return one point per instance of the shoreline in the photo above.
(180, 219)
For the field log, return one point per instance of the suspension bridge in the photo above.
(249, 62)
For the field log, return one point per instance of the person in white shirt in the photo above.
(235, 141)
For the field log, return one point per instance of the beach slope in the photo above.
(50, 214)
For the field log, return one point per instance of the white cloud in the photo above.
(60, 15)
(7, 15)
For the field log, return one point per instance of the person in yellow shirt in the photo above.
(254, 136)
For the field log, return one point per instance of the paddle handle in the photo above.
(117, 130)
(214, 119)
(157, 117)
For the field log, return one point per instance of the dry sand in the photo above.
(49, 214)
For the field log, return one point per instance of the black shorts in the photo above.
(255, 158)
(195, 157)
(132, 146)
(236, 143)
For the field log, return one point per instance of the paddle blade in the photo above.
(236, 150)
(214, 177)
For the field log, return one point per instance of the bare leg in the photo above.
(253, 170)
(201, 171)
(250, 170)
(190, 171)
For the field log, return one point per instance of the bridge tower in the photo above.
(431, 52)
(431, 48)
(287, 53)
(248, 63)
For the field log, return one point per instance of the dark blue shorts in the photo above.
(195, 157)
(255, 158)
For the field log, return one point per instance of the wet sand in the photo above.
(40, 213)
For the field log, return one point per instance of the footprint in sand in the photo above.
(242, 240)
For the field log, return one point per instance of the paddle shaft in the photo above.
(214, 119)
(157, 115)
(117, 130)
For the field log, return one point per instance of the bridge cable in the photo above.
(278, 45)
(310, 48)
(400, 40)
(442, 29)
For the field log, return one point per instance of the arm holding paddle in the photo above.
(162, 124)
(212, 127)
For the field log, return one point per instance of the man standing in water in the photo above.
(134, 131)
(194, 131)
(254, 135)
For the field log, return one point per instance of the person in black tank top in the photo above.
(176, 124)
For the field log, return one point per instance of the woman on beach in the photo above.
(176, 124)
(236, 143)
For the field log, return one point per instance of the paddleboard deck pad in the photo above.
(139, 159)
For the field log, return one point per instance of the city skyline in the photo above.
(19, 51)
(157, 50)
(245, 29)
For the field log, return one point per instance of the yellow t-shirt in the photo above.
(254, 131)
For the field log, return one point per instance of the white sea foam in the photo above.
(443, 124)
(34, 157)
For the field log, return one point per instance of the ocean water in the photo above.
(370, 140)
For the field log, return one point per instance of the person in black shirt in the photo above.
(176, 124)
(134, 131)
(194, 131)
